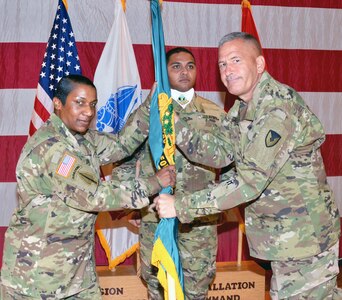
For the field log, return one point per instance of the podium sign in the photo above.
(238, 283)
(231, 283)
(123, 283)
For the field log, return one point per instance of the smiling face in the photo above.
(181, 70)
(79, 108)
(241, 66)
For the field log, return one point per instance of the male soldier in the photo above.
(274, 139)
(48, 252)
(197, 241)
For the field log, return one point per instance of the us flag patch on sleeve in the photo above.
(66, 165)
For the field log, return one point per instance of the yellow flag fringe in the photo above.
(112, 263)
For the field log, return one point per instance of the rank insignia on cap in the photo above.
(272, 138)
(66, 165)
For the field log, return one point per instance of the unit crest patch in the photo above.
(272, 138)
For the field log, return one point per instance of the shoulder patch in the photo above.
(65, 167)
(272, 138)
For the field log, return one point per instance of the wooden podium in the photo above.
(122, 283)
(240, 280)
(232, 282)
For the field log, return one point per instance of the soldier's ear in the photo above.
(260, 60)
(57, 104)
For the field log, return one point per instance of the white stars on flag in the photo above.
(60, 59)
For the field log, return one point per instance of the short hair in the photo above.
(68, 83)
(242, 36)
(177, 50)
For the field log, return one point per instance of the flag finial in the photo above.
(123, 3)
(246, 4)
(65, 4)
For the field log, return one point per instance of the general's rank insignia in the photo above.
(272, 138)
(66, 165)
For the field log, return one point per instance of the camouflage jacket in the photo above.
(191, 176)
(49, 243)
(275, 144)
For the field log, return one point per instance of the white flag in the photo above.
(118, 237)
(116, 77)
(119, 93)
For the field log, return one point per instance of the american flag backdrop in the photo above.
(302, 42)
(60, 59)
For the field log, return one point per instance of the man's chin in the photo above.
(232, 89)
(82, 130)
(183, 89)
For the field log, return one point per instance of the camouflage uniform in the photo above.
(197, 241)
(48, 252)
(275, 144)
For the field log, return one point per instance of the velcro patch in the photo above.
(272, 138)
(65, 167)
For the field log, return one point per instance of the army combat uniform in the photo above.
(49, 244)
(293, 221)
(197, 242)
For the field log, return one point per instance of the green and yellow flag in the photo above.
(165, 254)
